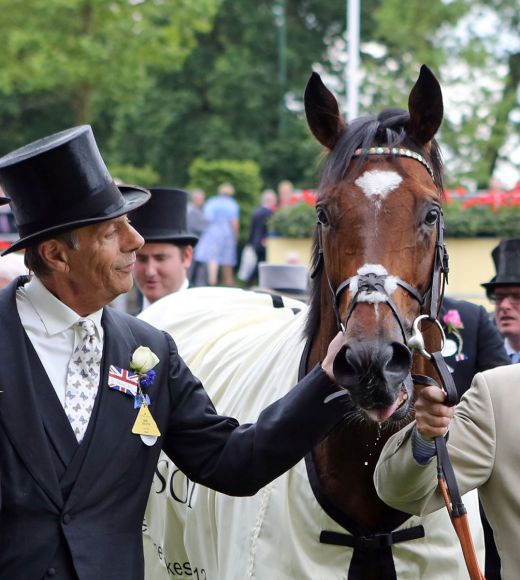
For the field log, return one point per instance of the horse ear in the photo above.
(425, 107)
(322, 111)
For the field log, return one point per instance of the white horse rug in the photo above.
(247, 352)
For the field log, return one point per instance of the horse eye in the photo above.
(322, 217)
(431, 217)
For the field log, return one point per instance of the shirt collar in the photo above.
(509, 349)
(54, 314)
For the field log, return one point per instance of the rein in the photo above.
(372, 283)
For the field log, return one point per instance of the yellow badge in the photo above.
(145, 423)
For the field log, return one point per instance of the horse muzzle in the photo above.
(376, 374)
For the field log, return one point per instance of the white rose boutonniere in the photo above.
(143, 360)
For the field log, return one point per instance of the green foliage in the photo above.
(243, 175)
(166, 82)
(87, 56)
(299, 221)
(295, 221)
(143, 176)
(481, 220)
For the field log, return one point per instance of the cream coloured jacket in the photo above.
(484, 446)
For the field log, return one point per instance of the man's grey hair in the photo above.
(34, 261)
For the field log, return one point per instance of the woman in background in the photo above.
(218, 245)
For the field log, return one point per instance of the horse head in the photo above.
(379, 221)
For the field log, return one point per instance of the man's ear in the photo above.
(187, 256)
(54, 253)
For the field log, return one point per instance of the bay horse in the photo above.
(374, 272)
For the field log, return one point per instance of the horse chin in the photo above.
(394, 412)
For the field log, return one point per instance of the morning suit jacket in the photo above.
(484, 449)
(482, 345)
(74, 511)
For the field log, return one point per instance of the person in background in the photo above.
(218, 245)
(91, 395)
(163, 262)
(504, 291)
(285, 193)
(196, 223)
(11, 266)
(473, 344)
(258, 230)
(6, 219)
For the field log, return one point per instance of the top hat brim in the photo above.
(497, 283)
(4, 200)
(133, 197)
(179, 239)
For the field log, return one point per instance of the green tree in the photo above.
(474, 47)
(73, 58)
(225, 101)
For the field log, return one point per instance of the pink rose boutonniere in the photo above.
(453, 324)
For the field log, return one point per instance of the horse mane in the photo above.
(389, 128)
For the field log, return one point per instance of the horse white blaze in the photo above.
(376, 184)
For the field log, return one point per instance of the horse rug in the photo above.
(246, 348)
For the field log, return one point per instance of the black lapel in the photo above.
(110, 434)
(18, 403)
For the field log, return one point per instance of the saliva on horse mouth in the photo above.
(382, 414)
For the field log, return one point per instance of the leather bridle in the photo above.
(370, 283)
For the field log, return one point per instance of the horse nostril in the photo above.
(343, 369)
(399, 363)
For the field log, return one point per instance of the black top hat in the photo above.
(163, 218)
(506, 257)
(59, 183)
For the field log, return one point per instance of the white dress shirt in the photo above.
(511, 352)
(49, 325)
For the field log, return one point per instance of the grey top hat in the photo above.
(290, 279)
(506, 257)
(59, 183)
(163, 218)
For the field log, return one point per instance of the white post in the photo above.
(352, 69)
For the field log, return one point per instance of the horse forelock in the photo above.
(389, 128)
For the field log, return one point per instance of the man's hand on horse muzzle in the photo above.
(334, 347)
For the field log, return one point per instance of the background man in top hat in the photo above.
(82, 417)
(504, 291)
(163, 262)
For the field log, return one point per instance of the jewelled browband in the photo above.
(398, 152)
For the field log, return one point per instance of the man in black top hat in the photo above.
(163, 262)
(90, 395)
(504, 291)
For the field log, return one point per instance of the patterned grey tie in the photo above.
(515, 357)
(82, 376)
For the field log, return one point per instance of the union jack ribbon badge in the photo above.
(123, 380)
